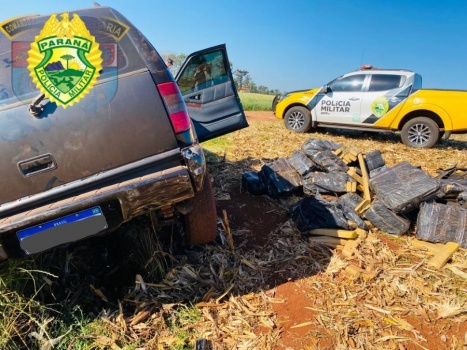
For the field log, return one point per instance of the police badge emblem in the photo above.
(380, 106)
(64, 60)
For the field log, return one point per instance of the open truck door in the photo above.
(206, 83)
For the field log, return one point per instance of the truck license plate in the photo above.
(66, 229)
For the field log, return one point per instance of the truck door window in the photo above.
(383, 82)
(351, 83)
(203, 71)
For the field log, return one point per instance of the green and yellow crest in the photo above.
(64, 60)
(380, 106)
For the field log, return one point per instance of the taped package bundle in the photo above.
(312, 145)
(328, 161)
(374, 160)
(301, 163)
(386, 220)
(442, 223)
(349, 202)
(332, 182)
(403, 187)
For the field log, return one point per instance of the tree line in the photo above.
(242, 79)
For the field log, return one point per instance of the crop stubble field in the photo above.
(400, 305)
(261, 285)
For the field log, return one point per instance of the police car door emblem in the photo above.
(380, 106)
(64, 60)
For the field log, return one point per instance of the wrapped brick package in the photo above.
(332, 182)
(350, 199)
(403, 187)
(328, 161)
(374, 160)
(386, 220)
(301, 163)
(312, 145)
(348, 202)
(441, 223)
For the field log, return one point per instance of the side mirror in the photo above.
(326, 89)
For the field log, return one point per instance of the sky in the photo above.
(291, 45)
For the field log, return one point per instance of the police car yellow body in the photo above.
(378, 100)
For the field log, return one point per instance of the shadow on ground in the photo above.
(256, 250)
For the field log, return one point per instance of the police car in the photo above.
(374, 99)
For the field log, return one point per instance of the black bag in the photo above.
(280, 178)
(313, 212)
(252, 183)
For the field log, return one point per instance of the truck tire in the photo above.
(420, 132)
(201, 221)
(298, 119)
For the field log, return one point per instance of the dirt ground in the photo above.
(253, 214)
(263, 284)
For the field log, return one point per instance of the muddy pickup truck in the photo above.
(371, 99)
(95, 130)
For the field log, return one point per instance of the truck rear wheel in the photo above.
(201, 221)
(298, 119)
(420, 132)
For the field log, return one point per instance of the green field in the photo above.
(256, 102)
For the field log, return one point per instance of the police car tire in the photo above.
(420, 132)
(298, 119)
(201, 221)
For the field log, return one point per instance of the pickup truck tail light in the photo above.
(173, 100)
(192, 153)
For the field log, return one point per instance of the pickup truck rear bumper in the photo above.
(127, 199)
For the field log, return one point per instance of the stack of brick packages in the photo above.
(360, 189)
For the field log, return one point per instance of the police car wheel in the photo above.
(420, 132)
(298, 119)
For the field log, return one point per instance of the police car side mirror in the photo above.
(326, 89)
